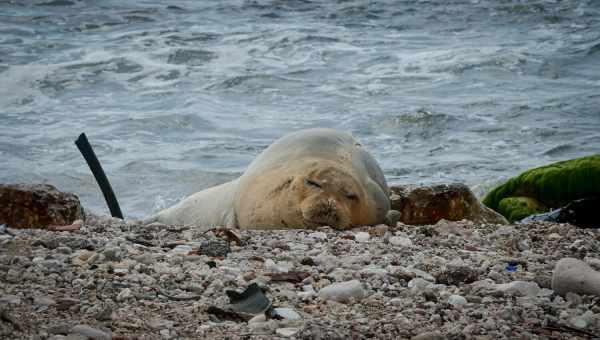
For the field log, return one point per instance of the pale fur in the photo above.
(260, 198)
(208, 208)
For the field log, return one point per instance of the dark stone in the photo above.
(251, 301)
(581, 213)
(429, 204)
(456, 275)
(37, 206)
(308, 261)
(215, 248)
(65, 303)
(317, 331)
(73, 242)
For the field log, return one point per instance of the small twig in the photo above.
(138, 241)
(293, 277)
(178, 298)
(567, 329)
(72, 227)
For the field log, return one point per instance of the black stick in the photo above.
(92, 161)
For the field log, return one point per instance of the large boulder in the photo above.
(551, 186)
(428, 204)
(37, 206)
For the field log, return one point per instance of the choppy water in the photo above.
(180, 95)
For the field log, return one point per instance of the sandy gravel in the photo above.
(453, 280)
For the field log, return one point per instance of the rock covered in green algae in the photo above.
(517, 208)
(551, 186)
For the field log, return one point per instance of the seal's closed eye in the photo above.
(313, 183)
(352, 196)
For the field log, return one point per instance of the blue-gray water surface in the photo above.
(177, 96)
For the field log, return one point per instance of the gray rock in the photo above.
(64, 250)
(112, 254)
(43, 301)
(13, 276)
(457, 274)
(90, 332)
(343, 291)
(287, 331)
(520, 288)
(392, 217)
(576, 276)
(60, 329)
(361, 237)
(429, 336)
(76, 337)
(400, 241)
(124, 294)
(457, 300)
(157, 323)
(10, 300)
(319, 331)
(145, 258)
(287, 313)
(57, 337)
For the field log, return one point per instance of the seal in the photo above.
(304, 180)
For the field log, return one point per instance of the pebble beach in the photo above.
(116, 279)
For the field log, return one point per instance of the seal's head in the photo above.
(331, 196)
(312, 178)
(316, 194)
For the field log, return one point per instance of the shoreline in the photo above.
(456, 279)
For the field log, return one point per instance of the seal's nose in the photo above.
(328, 212)
(324, 213)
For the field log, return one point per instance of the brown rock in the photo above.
(37, 206)
(429, 204)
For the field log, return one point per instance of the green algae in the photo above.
(553, 185)
(517, 208)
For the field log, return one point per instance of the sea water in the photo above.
(177, 96)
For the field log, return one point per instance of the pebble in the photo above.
(400, 241)
(58, 337)
(215, 248)
(90, 332)
(182, 249)
(429, 336)
(165, 334)
(422, 274)
(145, 258)
(554, 236)
(112, 254)
(10, 299)
(43, 301)
(287, 313)
(281, 267)
(260, 318)
(404, 291)
(457, 300)
(521, 288)
(307, 292)
(362, 237)
(578, 322)
(124, 295)
(319, 235)
(419, 284)
(343, 291)
(287, 331)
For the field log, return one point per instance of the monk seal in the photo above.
(306, 179)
